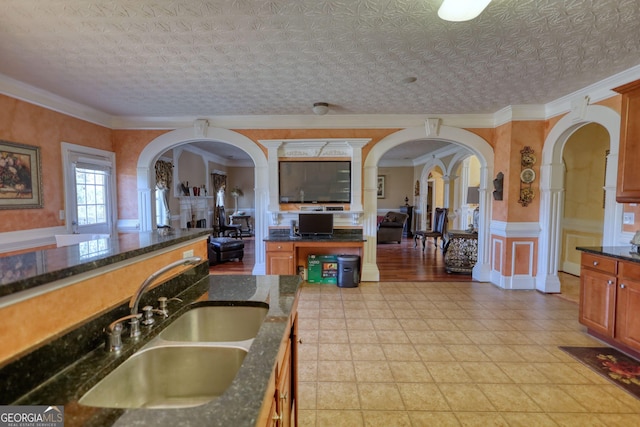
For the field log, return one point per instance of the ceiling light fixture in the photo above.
(320, 108)
(461, 10)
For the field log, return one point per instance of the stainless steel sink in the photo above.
(217, 323)
(168, 377)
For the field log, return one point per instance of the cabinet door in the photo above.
(627, 308)
(284, 390)
(280, 263)
(597, 301)
(274, 417)
(628, 188)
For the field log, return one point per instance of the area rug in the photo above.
(615, 366)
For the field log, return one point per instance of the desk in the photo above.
(245, 223)
(286, 256)
(460, 251)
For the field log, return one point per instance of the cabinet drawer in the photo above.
(629, 270)
(279, 246)
(600, 263)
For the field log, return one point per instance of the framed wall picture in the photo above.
(20, 176)
(380, 186)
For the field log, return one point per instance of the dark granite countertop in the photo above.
(339, 236)
(241, 403)
(29, 270)
(313, 239)
(620, 252)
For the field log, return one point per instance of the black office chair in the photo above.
(223, 227)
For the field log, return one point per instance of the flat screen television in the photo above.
(313, 181)
(315, 224)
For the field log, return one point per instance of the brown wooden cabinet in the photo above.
(288, 257)
(280, 258)
(597, 293)
(282, 402)
(628, 305)
(610, 300)
(628, 186)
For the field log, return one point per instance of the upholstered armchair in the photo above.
(391, 227)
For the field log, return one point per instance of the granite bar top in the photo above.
(339, 235)
(241, 403)
(32, 269)
(625, 253)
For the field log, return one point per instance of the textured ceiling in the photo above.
(154, 58)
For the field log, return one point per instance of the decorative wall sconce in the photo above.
(497, 186)
(527, 175)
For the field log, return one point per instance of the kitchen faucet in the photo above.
(135, 299)
(114, 330)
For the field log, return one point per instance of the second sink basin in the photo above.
(217, 323)
(168, 377)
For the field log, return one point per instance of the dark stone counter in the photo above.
(339, 235)
(624, 253)
(32, 269)
(241, 403)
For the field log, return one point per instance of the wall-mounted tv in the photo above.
(314, 181)
(315, 224)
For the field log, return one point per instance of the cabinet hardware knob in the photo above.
(622, 286)
(595, 263)
(299, 340)
(609, 282)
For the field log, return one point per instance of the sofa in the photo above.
(391, 227)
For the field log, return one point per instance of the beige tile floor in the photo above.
(447, 354)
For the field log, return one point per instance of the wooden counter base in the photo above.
(285, 257)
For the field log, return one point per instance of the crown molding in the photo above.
(595, 92)
(51, 101)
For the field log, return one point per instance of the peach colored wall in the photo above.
(498, 252)
(502, 153)
(31, 322)
(25, 123)
(525, 133)
(524, 256)
(128, 144)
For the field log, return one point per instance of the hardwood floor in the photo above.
(396, 262)
(238, 267)
(399, 263)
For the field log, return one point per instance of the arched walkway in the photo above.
(146, 177)
(552, 191)
(473, 142)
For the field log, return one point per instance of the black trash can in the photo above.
(348, 271)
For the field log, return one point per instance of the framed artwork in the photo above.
(20, 176)
(380, 186)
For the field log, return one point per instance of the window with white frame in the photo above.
(89, 189)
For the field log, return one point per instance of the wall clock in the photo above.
(527, 175)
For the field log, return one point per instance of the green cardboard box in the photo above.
(322, 269)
